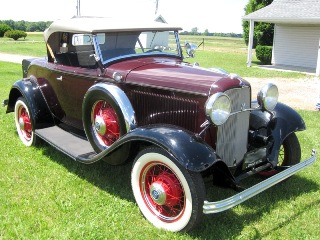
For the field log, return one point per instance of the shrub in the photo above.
(4, 28)
(15, 34)
(264, 54)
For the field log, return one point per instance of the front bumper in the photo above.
(219, 206)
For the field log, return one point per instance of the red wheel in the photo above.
(23, 122)
(106, 127)
(168, 195)
(103, 119)
(162, 191)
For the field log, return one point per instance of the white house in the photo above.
(150, 40)
(296, 34)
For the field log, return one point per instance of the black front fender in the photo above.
(283, 121)
(187, 148)
(27, 88)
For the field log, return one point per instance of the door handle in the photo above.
(59, 78)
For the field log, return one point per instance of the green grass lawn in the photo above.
(46, 195)
(31, 36)
(33, 45)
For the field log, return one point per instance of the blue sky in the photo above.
(214, 15)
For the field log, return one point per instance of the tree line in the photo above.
(195, 31)
(26, 26)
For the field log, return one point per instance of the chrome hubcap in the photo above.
(21, 123)
(100, 125)
(157, 193)
(105, 123)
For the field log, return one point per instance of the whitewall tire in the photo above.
(168, 195)
(23, 121)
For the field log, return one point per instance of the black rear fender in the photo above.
(25, 66)
(28, 89)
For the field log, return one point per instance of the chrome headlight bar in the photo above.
(218, 106)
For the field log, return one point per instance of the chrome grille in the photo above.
(232, 137)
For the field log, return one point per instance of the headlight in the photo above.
(218, 108)
(268, 97)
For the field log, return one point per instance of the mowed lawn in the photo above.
(46, 195)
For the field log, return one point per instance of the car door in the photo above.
(69, 85)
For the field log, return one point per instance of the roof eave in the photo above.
(295, 21)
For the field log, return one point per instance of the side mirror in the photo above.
(190, 49)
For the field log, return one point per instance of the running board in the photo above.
(220, 206)
(66, 142)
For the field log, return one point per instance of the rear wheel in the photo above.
(168, 195)
(23, 121)
(289, 154)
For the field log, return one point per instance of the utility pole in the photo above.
(157, 4)
(78, 8)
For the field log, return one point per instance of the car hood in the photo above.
(176, 75)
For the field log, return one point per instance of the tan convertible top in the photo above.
(97, 24)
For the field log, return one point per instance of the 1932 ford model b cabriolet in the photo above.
(123, 93)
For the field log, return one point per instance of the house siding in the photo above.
(148, 40)
(296, 45)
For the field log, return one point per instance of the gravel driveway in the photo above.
(12, 58)
(298, 93)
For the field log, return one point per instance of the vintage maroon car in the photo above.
(123, 93)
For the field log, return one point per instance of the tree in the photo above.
(37, 26)
(194, 31)
(20, 25)
(32, 27)
(3, 29)
(263, 32)
(10, 23)
(206, 32)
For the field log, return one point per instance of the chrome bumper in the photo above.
(222, 205)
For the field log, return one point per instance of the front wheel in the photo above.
(290, 151)
(23, 121)
(168, 195)
(289, 154)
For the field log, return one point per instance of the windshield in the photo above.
(124, 44)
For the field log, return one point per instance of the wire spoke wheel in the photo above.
(162, 191)
(167, 194)
(105, 123)
(281, 156)
(23, 122)
(103, 118)
(289, 154)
